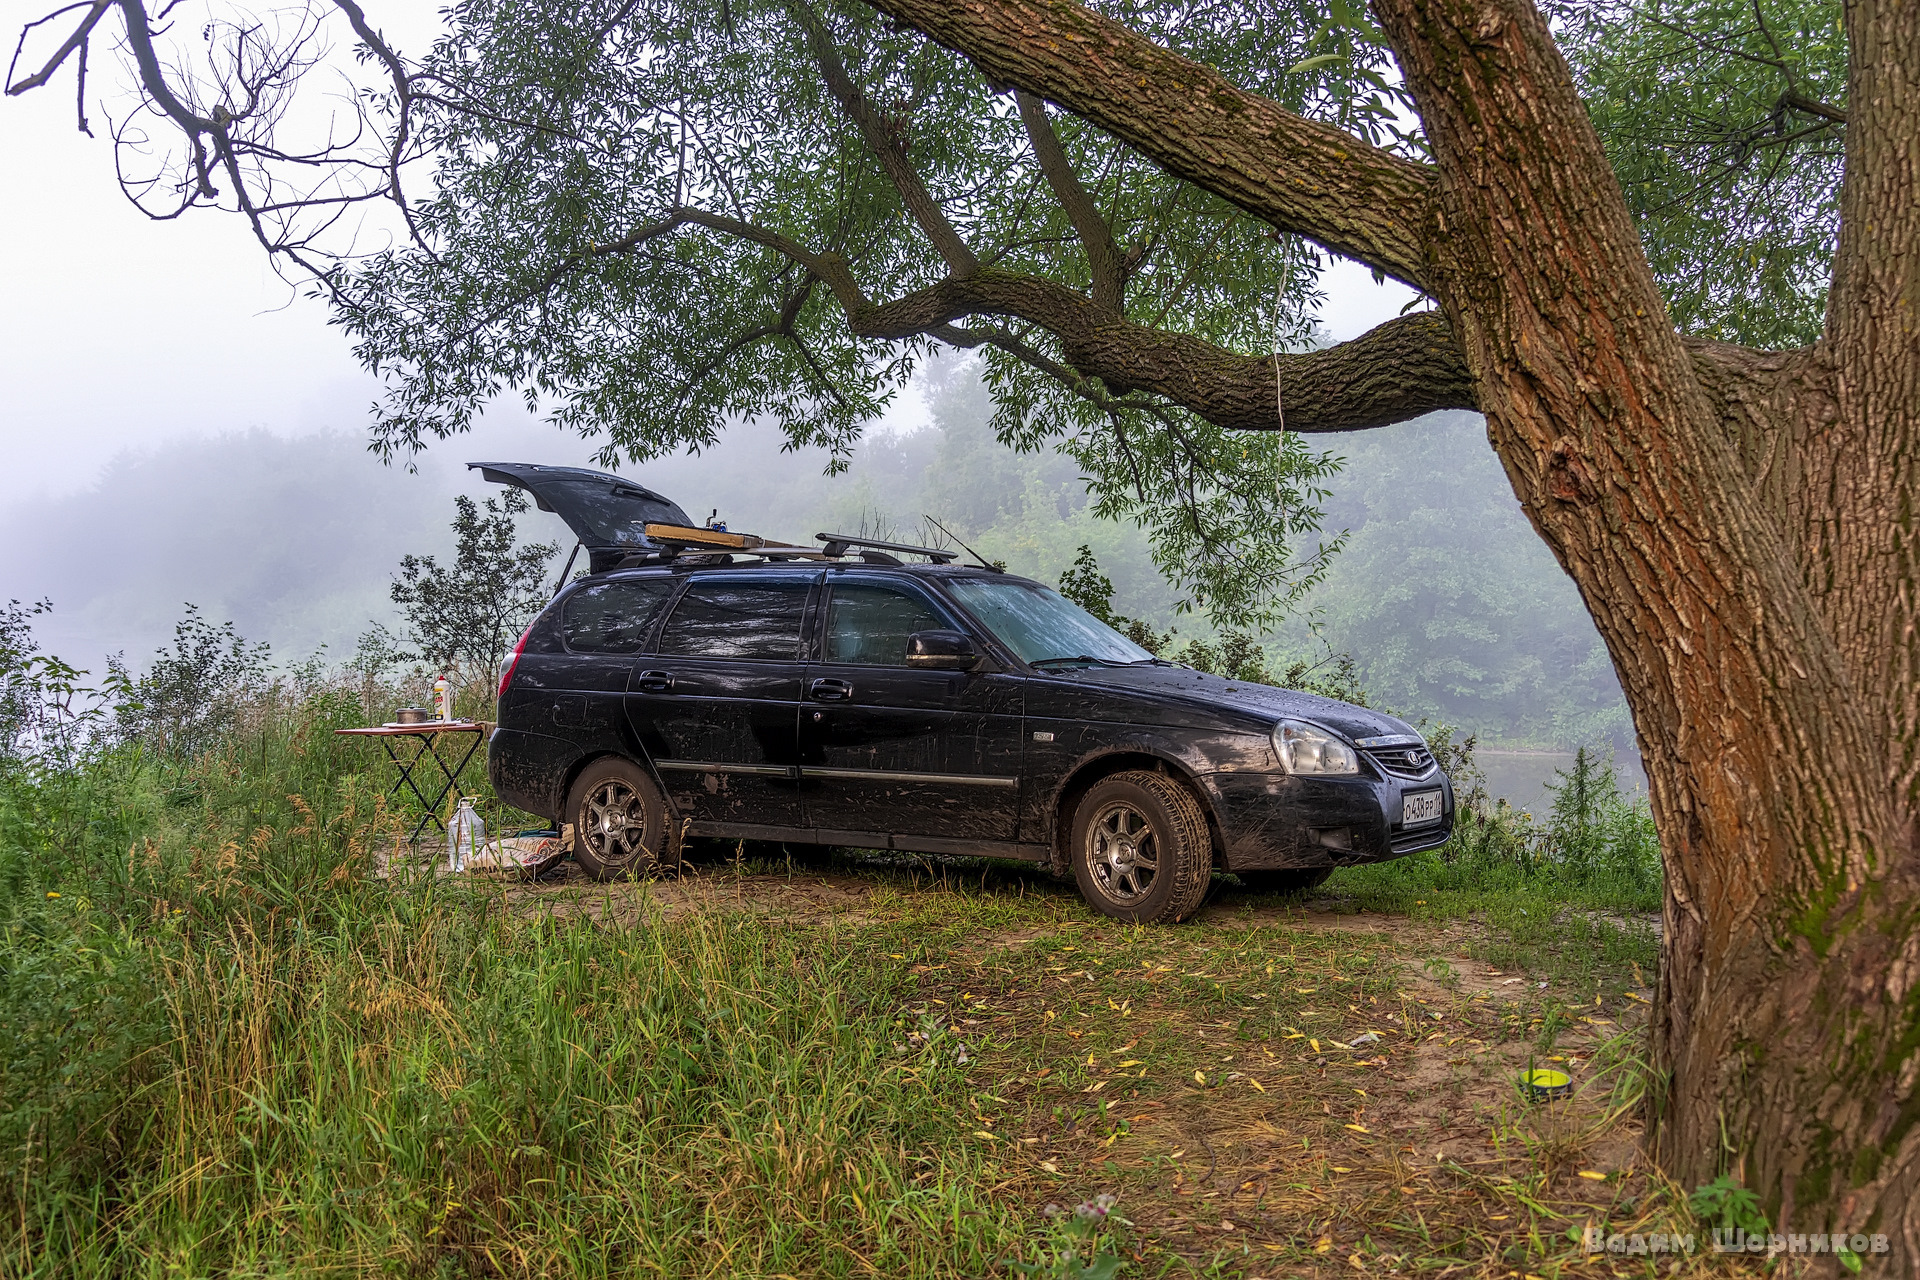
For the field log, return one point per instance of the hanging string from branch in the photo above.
(1279, 313)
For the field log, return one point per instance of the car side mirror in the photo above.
(941, 651)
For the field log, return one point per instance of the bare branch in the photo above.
(403, 109)
(154, 80)
(78, 40)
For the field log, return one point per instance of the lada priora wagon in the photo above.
(697, 683)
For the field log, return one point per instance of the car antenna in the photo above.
(978, 558)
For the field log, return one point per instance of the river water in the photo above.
(1521, 777)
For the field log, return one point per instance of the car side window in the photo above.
(734, 618)
(868, 624)
(613, 617)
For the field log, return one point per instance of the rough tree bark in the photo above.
(1741, 524)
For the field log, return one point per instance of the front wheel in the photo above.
(621, 824)
(1141, 850)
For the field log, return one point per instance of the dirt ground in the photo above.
(1318, 1150)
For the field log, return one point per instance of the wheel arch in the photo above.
(1122, 759)
(587, 759)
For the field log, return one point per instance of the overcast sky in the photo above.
(119, 333)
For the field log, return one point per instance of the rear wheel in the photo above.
(621, 824)
(1285, 879)
(1141, 850)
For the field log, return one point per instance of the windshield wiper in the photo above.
(1045, 663)
(1152, 662)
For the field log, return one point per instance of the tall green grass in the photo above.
(228, 1046)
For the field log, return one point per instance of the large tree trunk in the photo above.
(1745, 542)
(1741, 524)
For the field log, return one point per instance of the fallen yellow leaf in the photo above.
(1360, 1128)
(1306, 991)
(1315, 1044)
(1357, 1263)
(1256, 1084)
(1338, 1168)
(1323, 1244)
(1199, 1078)
(1130, 1062)
(1593, 1174)
(982, 1133)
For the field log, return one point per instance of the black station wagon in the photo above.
(701, 683)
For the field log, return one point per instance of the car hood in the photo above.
(1257, 701)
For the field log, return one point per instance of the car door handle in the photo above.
(654, 682)
(830, 691)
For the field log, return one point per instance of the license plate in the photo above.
(1418, 808)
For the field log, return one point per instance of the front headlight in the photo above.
(1308, 750)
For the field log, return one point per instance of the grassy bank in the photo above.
(229, 1044)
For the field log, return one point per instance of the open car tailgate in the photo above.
(608, 514)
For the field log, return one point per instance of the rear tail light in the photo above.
(506, 675)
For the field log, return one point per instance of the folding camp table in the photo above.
(426, 736)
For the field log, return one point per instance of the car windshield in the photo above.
(1043, 626)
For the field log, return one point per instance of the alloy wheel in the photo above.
(615, 823)
(1122, 853)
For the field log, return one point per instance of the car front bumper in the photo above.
(1275, 821)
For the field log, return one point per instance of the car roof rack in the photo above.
(673, 540)
(838, 544)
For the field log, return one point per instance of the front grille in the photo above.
(1413, 762)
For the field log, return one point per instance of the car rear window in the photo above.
(613, 617)
(868, 623)
(738, 618)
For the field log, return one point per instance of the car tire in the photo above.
(622, 826)
(1134, 823)
(1289, 880)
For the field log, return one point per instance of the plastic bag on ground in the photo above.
(523, 857)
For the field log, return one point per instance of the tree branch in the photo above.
(402, 109)
(77, 40)
(1104, 263)
(154, 79)
(1400, 370)
(886, 148)
(1298, 175)
(1812, 106)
